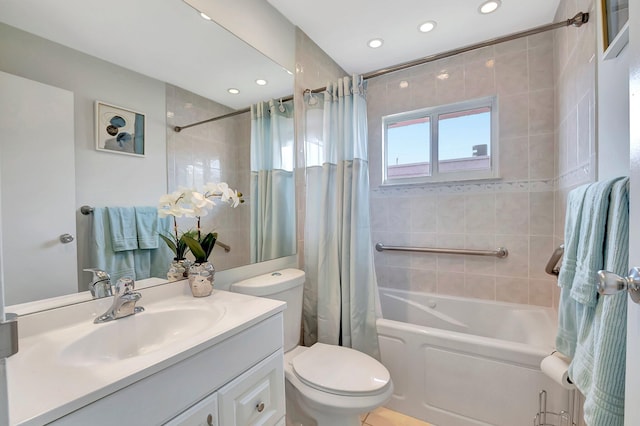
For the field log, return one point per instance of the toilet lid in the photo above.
(340, 370)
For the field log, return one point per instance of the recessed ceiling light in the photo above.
(205, 16)
(404, 84)
(443, 75)
(489, 6)
(427, 26)
(261, 82)
(233, 91)
(375, 43)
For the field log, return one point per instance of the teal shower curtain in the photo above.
(272, 185)
(341, 295)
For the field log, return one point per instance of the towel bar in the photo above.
(87, 210)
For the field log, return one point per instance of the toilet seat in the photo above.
(340, 371)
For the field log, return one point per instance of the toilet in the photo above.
(325, 385)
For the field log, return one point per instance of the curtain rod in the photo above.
(577, 21)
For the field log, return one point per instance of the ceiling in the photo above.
(169, 41)
(164, 39)
(343, 28)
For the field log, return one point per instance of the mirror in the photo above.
(178, 72)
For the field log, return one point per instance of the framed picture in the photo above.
(615, 26)
(119, 130)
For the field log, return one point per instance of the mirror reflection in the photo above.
(61, 169)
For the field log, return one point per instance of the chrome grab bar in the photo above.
(552, 267)
(501, 252)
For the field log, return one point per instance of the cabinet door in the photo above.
(204, 413)
(256, 397)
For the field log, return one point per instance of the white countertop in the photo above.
(44, 385)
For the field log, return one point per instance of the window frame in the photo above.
(433, 113)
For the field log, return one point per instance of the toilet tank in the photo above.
(286, 285)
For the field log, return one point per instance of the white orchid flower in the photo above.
(211, 189)
(169, 205)
(200, 201)
(234, 199)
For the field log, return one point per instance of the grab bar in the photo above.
(552, 267)
(501, 252)
(87, 210)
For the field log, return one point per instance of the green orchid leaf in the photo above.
(208, 242)
(196, 248)
(170, 243)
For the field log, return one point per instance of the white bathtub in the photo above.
(463, 362)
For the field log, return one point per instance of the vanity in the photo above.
(216, 360)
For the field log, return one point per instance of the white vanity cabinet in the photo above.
(239, 381)
(254, 398)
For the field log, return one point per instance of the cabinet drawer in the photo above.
(256, 397)
(204, 413)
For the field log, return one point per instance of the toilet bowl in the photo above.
(325, 385)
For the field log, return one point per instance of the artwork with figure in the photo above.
(119, 130)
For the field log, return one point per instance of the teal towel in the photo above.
(122, 222)
(567, 314)
(160, 258)
(147, 227)
(573, 220)
(590, 249)
(116, 264)
(598, 367)
(137, 264)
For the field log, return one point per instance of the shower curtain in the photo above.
(341, 294)
(272, 181)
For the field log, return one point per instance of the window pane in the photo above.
(464, 140)
(408, 148)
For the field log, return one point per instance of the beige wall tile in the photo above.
(514, 158)
(512, 213)
(451, 283)
(512, 289)
(512, 73)
(541, 211)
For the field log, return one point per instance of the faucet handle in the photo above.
(100, 285)
(98, 274)
(124, 285)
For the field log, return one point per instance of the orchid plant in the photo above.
(196, 204)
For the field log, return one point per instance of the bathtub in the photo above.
(462, 362)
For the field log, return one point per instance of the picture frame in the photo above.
(119, 130)
(615, 26)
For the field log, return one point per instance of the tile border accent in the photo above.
(542, 185)
(576, 176)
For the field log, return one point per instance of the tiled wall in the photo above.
(213, 152)
(516, 212)
(575, 74)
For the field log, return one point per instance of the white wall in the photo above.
(101, 178)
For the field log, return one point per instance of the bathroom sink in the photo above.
(138, 334)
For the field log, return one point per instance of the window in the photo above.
(445, 143)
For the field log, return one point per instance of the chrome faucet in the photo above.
(100, 285)
(124, 302)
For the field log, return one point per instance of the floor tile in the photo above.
(384, 417)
